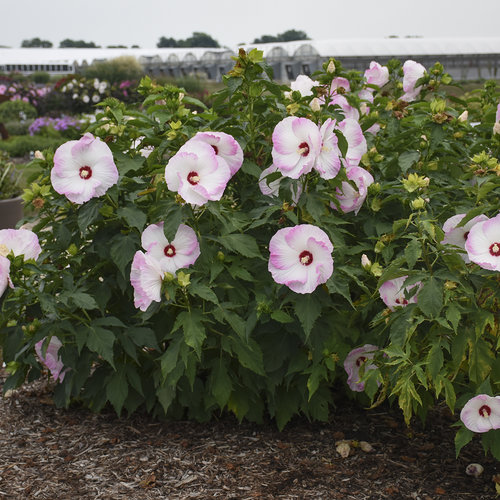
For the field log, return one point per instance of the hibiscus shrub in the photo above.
(270, 254)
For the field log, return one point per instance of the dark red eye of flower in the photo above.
(495, 249)
(85, 172)
(216, 149)
(485, 411)
(306, 258)
(193, 178)
(401, 302)
(304, 148)
(360, 360)
(169, 251)
(466, 235)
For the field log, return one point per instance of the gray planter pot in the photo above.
(11, 212)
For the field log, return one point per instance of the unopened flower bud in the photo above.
(39, 155)
(496, 128)
(463, 117)
(418, 203)
(365, 262)
(379, 246)
(183, 279)
(331, 67)
(315, 104)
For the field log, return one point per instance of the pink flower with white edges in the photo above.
(20, 242)
(350, 198)
(496, 126)
(197, 173)
(83, 169)
(355, 140)
(304, 85)
(328, 162)
(354, 361)
(224, 145)
(481, 413)
(394, 295)
(296, 145)
(497, 116)
(483, 244)
(49, 357)
(272, 188)
(377, 74)
(146, 277)
(457, 236)
(412, 72)
(180, 253)
(348, 110)
(4, 274)
(301, 257)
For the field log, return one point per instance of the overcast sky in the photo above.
(230, 22)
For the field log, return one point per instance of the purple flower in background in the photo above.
(301, 257)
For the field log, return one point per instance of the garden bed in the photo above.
(48, 453)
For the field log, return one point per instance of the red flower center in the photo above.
(85, 172)
(304, 148)
(485, 411)
(466, 235)
(495, 249)
(193, 178)
(401, 302)
(306, 258)
(360, 360)
(216, 149)
(169, 250)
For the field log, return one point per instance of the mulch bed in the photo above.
(49, 453)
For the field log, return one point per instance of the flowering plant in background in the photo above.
(66, 125)
(48, 354)
(200, 260)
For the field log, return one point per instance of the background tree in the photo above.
(36, 42)
(286, 36)
(197, 39)
(115, 70)
(77, 44)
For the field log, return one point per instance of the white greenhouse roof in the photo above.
(361, 47)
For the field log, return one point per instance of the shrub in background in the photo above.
(324, 264)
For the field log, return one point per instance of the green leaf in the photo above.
(143, 337)
(165, 395)
(430, 298)
(249, 354)
(203, 291)
(84, 300)
(220, 383)
(101, 340)
(172, 220)
(453, 316)
(307, 309)
(407, 159)
(435, 360)
(117, 390)
(236, 322)
(491, 441)
(192, 327)
(243, 244)
(318, 374)
(281, 316)
(123, 248)
(88, 213)
(480, 360)
(134, 216)
(462, 437)
(413, 251)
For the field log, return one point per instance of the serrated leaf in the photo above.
(307, 309)
(430, 297)
(407, 159)
(101, 340)
(413, 251)
(192, 327)
(84, 300)
(134, 216)
(249, 354)
(204, 292)
(435, 360)
(480, 359)
(87, 214)
(281, 316)
(243, 244)
(143, 337)
(123, 248)
(462, 437)
(221, 384)
(117, 390)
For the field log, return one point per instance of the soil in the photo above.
(50, 453)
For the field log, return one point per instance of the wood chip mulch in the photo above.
(49, 453)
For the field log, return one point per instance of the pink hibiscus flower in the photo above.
(146, 277)
(412, 72)
(197, 173)
(19, 242)
(301, 257)
(481, 413)
(483, 244)
(83, 169)
(353, 363)
(394, 295)
(351, 199)
(180, 253)
(376, 74)
(49, 357)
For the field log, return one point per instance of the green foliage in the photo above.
(115, 70)
(286, 36)
(67, 43)
(225, 336)
(197, 39)
(22, 145)
(36, 42)
(16, 110)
